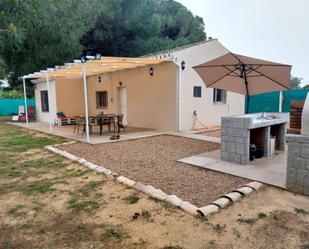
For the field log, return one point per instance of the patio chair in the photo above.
(21, 111)
(80, 122)
(31, 112)
(22, 115)
(119, 123)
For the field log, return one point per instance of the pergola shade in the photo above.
(95, 67)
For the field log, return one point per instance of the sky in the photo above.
(275, 30)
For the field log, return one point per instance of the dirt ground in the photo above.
(49, 202)
(152, 161)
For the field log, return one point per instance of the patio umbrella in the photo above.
(244, 75)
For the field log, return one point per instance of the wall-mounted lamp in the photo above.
(98, 56)
(83, 59)
(99, 79)
(183, 65)
(151, 71)
(120, 83)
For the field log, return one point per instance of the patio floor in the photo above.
(270, 170)
(95, 138)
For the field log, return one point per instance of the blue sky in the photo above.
(276, 30)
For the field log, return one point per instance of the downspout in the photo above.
(179, 96)
(25, 99)
(86, 102)
(280, 101)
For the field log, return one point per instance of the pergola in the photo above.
(89, 66)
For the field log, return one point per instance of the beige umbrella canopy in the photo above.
(244, 75)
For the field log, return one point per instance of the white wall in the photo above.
(41, 85)
(208, 112)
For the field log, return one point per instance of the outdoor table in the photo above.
(107, 118)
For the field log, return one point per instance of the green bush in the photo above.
(11, 94)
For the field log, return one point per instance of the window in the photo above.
(44, 101)
(219, 96)
(102, 101)
(197, 91)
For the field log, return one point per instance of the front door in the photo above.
(123, 103)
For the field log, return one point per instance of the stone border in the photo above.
(229, 199)
(158, 194)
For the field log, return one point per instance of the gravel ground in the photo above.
(152, 161)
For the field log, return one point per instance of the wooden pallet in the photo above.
(65, 121)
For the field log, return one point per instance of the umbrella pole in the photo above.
(244, 73)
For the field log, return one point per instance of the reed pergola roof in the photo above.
(96, 67)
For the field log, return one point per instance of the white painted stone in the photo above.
(129, 182)
(69, 156)
(255, 185)
(115, 174)
(174, 200)
(189, 208)
(139, 186)
(51, 148)
(121, 179)
(222, 202)
(207, 210)
(149, 190)
(245, 190)
(107, 172)
(99, 169)
(159, 194)
(234, 196)
(90, 165)
(82, 160)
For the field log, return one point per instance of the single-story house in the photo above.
(159, 91)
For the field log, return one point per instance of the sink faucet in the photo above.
(263, 112)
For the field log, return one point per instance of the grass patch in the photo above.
(78, 205)
(301, 211)
(131, 199)
(145, 215)
(24, 226)
(76, 173)
(219, 228)
(15, 211)
(247, 220)
(114, 233)
(41, 186)
(252, 220)
(38, 206)
(89, 187)
(16, 139)
(261, 215)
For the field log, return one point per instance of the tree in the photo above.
(306, 87)
(295, 82)
(138, 27)
(37, 34)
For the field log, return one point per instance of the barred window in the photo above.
(102, 100)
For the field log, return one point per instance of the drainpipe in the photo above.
(86, 102)
(179, 95)
(25, 100)
(49, 104)
(280, 101)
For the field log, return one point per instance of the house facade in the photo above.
(210, 104)
(161, 96)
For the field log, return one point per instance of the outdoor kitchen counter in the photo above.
(238, 132)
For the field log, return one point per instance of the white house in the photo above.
(209, 104)
(159, 91)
